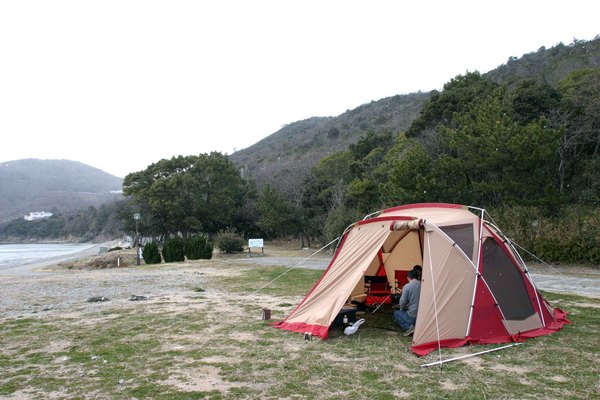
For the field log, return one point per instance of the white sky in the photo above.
(121, 84)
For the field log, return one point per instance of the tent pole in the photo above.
(477, 273)
(437, 326)
(469, 355)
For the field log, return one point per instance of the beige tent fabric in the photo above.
(449, 291)
(404, 256)
(359, 249)
(514, 327)
(403, 253)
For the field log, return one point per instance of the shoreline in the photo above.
(54, 241)
(31, 268)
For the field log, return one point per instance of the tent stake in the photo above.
(469, 355)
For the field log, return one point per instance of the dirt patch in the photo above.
(222, 360)
(476, 363)
(401, 394)
(450, 386)
(588, 305)
(201, 379)
(519, 371)
(559, 379)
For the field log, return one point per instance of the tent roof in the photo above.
(440, 214)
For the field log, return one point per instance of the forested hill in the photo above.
(549, 65)
(53, 185)
(285, 157)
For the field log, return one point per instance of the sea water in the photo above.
(12, 255)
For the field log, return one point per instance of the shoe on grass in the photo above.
(410, 331)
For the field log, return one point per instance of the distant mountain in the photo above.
(54, 186)
(284, 157)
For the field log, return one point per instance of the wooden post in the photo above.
(266, 314)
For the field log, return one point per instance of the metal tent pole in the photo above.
(469, 355)
(437, 327)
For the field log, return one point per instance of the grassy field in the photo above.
(207, 340)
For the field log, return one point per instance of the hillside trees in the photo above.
(409, 172)
(456, 97)
(277, 215)
(493, 159)
(362, 192)
(579, 117)
(476, 142)
(324, 187)
(496, 148)
(186, 195)
(85, 224)
(345, 186)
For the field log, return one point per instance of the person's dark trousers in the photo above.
(404, 320)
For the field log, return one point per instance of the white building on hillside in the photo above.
(37, 215)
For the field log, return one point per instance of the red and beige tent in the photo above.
(475, 286)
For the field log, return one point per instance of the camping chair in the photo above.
(400, 280)
(378, 291)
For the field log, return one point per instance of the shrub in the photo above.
(198, 247)
(338, 220)
(151, 254)
(228, 241)
(571, 235)
(174, 249)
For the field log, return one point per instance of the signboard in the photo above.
(255, 243)
(136, 216)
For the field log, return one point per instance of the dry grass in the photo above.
(184, 343)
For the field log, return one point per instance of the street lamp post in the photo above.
(137, 217)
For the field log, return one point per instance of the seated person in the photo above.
(406, 316)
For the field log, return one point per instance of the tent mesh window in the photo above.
(462, 235)
(506, 282)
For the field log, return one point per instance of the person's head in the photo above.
(412, 274)
(419, 270)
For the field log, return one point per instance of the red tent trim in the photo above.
(560, 320)
(315, 330)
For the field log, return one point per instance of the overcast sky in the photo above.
(121, 84)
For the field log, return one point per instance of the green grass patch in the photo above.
(273, 281)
